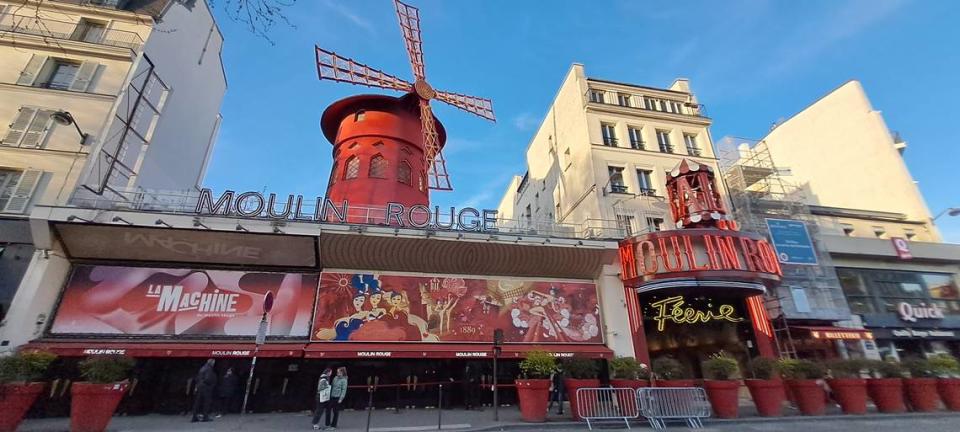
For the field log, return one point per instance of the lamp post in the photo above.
(261, 338)
(497, 342)
(65, 118)
(949, 211)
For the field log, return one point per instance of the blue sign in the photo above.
(792, 242)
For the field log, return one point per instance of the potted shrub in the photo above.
(947, 369)
(886, 386)
(849, 388)
(801, 378)
(579, 373)
(668, 372)
(921, 387)
(722, 384)
(18, 387)
(765, 386)
(627, 372)
(533, 389)
(94, 400)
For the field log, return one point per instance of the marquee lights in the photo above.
(671, 309)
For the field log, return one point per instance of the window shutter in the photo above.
(19, 126)
(24, 191)
(37, 132)
(84, 75)
(29, 74)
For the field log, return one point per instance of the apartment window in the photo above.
(596, 96)
(59, 74)
(690, 140)
(663, 139)
(636, 138)
(677, 108)
(650, 103)
(879, 232)
(16, 189)
(29, 128)
(528, 212)
(616, 180)
(625, 223)
(847, 229)
(654, 224)
(353, 168)
(89, 31)
(646, 185)
(609, 134)
(378, 167)
(623, 99)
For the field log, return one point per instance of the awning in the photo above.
(835, 333)
(341, 350)
(219, 349)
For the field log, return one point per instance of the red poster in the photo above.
(157, 301)
(387, 308)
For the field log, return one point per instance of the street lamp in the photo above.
(66, 119)
(949, 211)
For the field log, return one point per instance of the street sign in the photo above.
(268, 302)
(792, 242)
(262, 331)
(902, 247)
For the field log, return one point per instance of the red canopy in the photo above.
(341, 350)
(166, 349)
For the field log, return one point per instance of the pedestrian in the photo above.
(206, 382)
(338, 391)
(556, 391)
(322, 398)
(471, 386)
(227, 392)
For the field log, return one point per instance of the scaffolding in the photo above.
(758, 191)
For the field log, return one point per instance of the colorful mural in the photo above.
(389, 308)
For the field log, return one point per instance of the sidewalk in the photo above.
(427, 419)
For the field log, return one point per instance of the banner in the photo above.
(107, 300)
(389, 308)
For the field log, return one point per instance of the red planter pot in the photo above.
(629, 383)
(675, 383)
(921, 394)
(571, 385)
(92, 405)
(887, 394)
(533, 395)
(768, 396)
(629, 402)
(15, 401)
(723, 397)
(850, 393)
(949, 390)
(808, 395)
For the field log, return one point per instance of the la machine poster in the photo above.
(392, 308)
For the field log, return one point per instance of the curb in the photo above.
(708, 422)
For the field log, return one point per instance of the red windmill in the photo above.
(398, 139)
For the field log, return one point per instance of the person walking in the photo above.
(338, 391)
(322, 398)
(556, 391)
(206, 382)
(227, 392)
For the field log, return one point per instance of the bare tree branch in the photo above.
(259, 16)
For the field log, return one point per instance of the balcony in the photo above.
(65, 30)
(637, 145)
(648, 192)
(693, 151)
(618, 188)
(666, 148)
(610, 141)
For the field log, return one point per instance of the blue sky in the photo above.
(750, 62)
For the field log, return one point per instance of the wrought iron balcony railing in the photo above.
(65, 30)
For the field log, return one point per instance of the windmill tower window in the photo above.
(378, 166)
(403, 173)
(359, 116)
(333, 174)
(353, 168)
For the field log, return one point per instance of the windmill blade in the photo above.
(437, 173)
(334, 67)
(471, 104)
(410, 25)
(437, 177)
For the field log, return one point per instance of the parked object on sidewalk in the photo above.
(886, 386)
(766, 387)
(668, 372)
(206, 380)
(660, 404)
(18, 385)
(921, 387)
(802, 378)
(722, 384)
(599, 404)
(849, 389)
(94, 401)
(534, 388)
(580, 373)
(947, 369)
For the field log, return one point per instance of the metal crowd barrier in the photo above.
(659, 404)
(607, 404)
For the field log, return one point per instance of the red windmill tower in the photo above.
(388, 149)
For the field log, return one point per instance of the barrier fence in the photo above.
(659, 404)
(598, 404)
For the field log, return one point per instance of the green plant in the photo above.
(668, 368)
(801, 369)
(945, 365)
(918, 368)
(848, 368)
(721, 366)
(763, 368)
(885, 369)
(538, 365)
(25, 366)
(580, 368)
(628, 368)
(106, 369)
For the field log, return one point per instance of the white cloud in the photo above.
(526, 121)
(349, 15)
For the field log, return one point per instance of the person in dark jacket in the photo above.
(206, 382)
(227, 392)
